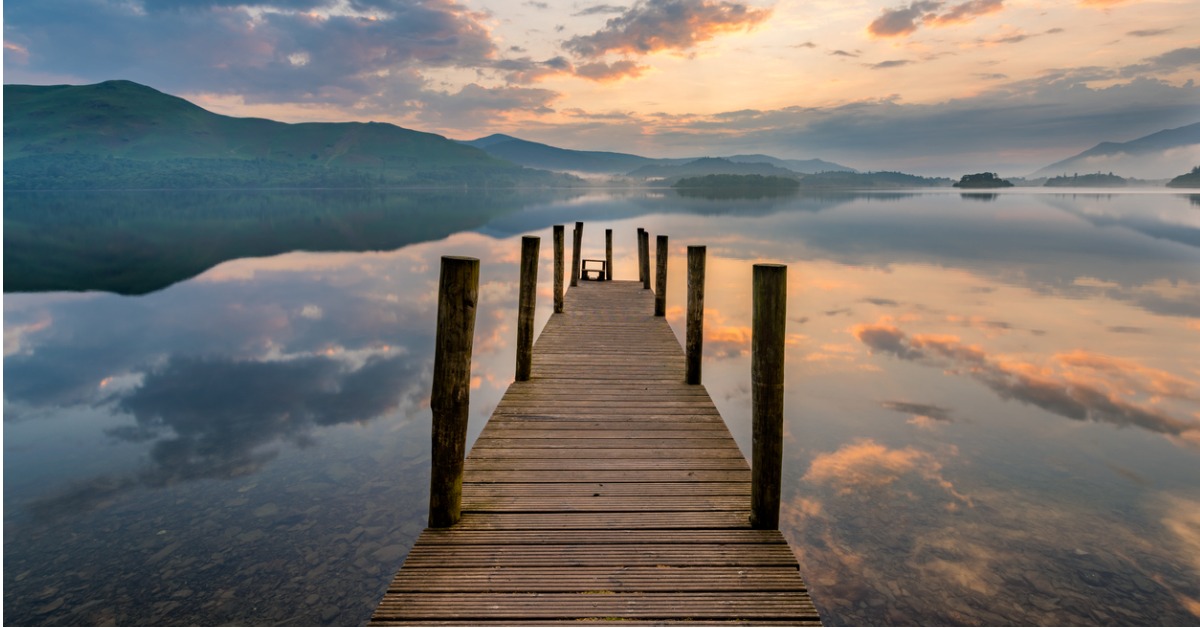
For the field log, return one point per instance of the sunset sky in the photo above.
(926, 86)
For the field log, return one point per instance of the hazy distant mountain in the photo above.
(119, 134)
(709, 165)
(803, 166)
(1159, 155)
(537, 155)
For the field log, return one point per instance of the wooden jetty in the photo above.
(603, 489)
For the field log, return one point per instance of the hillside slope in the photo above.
(122, 134)
(1159, 155)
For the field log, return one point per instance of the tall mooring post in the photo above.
(558, 268)
(608, 254)
(576, 252)
(645, 260)
(526, 303)
(694, 337)
(641, 271)
(766, 387)
(660, 277)
(458, 292)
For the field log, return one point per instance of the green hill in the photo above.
(1188, 180)
(119, 134)
(536, 155)
(1096, 180)
(869, 180)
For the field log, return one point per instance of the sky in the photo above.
(924, 86)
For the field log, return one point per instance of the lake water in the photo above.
(216, 405)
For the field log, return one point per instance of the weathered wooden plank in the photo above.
(605, 521)
(457, 536)
(602, 453)
(548, 476)
(601, 503)
(603, 489)
(697, 607)
(682, 463)
(656, 579)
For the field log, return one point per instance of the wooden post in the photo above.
(766, 389)
(527, 301)
(641, 274)
(695, 312)
(608, 254)
(645, 260)
(575, 253)
(450, 400)
(660, 280)
(558, 268)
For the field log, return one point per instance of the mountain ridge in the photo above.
(123, 134)
(1154, 156)
(538, 155)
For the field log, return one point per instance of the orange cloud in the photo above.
(602, 72)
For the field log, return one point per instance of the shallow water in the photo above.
(993, 401)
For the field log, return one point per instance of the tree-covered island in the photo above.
(982, 180)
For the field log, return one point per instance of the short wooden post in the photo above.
(660, 280)
(641, 274)
(608, 254)
(558, 268)
(766, 385)
(645, 260)
(526, 302)
(695, 312)
(575, 254)
(450, 400)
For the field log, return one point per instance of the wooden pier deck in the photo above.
(603, 489)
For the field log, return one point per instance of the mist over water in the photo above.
(993, 401)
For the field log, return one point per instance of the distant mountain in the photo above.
(709, 165)
(537, 155)
(803, 166)
(119, 134)
(544, 156)
(1156, 156)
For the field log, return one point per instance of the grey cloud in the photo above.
(601, 9)
(1166, 63)
(843, 53)
(600, 71)
(902, 21)
(652, 25)
(891, 63)
(1150, 32)
(475, 104)
(286, 56)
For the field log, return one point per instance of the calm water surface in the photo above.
(993, 401)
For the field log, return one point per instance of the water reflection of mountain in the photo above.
(140, 242)
(621, 206)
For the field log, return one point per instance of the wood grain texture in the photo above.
(604, 488)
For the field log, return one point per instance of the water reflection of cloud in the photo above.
(1079, 385)
(866, 465)
(218, 418)
(920, 413)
